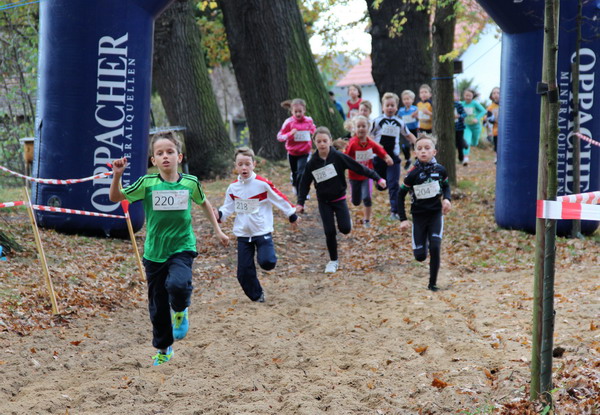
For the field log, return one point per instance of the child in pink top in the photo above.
(297, 133)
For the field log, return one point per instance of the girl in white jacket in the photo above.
(252, 198)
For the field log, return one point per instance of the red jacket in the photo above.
(355, 145)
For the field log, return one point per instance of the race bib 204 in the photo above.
(427, 190)
(170, 199)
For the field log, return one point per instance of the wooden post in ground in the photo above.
(125, 206)
(40, 248)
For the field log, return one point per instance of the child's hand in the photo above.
(223, 239)
(294, 225)
(292, 133)
(119, 165)
(388, 160)
(299, 209)
(415, 114)
(446, 206)
(382, 183)
(404, 225)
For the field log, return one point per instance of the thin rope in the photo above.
(18, 4)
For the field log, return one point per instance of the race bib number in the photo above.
(363, 156)
(170, 199)
(302, 136)
(390, 130)
(423, 116)
(408, 119)
(427, 190)
(246, 205)
(469, 111)
(324, 173)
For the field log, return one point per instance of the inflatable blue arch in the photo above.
(522, 45)
(95, 71)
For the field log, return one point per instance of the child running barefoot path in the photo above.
(252, 198)
(170, 246)
(326, 168)
(427, 183)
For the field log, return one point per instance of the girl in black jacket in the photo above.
(326, 168)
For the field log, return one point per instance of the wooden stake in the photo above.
(40, 248)
(125, 206)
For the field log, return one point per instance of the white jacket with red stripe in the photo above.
(260, 222)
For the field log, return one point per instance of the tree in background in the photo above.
(273, 63)
(401, 54)
(181, 77)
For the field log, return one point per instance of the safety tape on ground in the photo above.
(592, 198)
(551, 209)
(61, 210)
(56, 181)
(588, 139)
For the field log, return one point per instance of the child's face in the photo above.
(425, 150)
(322, 142)
(407, 100)
(364, 111)
(244, 165)
(362, 129)
(298, 111)
(468, 96)
(424, 94)
(165, 155)
(353, 92)
(390, 107)
(496, 95)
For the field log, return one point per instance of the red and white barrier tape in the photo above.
(56, 181)
(61, 210)
(588, 139)
(550, 209)
(592, 198)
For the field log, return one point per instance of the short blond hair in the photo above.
(426, 87)
(409, 93)
(390, 95)
(244, 151)
(366, 103)
(429, 137)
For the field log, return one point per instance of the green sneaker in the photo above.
(181, 324)
(160, 358)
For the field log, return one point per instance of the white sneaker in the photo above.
(466, 161)
(331, 267)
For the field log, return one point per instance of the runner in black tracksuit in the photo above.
(427, 183)
(326, 168)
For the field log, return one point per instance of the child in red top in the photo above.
(355, 94)
(361, 148)
(296, 132)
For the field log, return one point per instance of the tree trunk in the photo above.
(273, 63)
(443, 87)
(403, 61)
(181, 78)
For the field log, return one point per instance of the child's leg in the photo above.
(419, 238)
(328, 220)
(293, 160)
(381, 168)
(356, 191)
(434, 234)
(476, 132)
(246, 269)
(460, 144)
(265, 252)
(300, 166)
(467, 136)
(342, 214)
(392, 179)
(179, 280)
(366, 190)
(158, 303)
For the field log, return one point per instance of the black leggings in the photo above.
(460, 144)
(427, 232)
(297, 165)
(330, 211)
